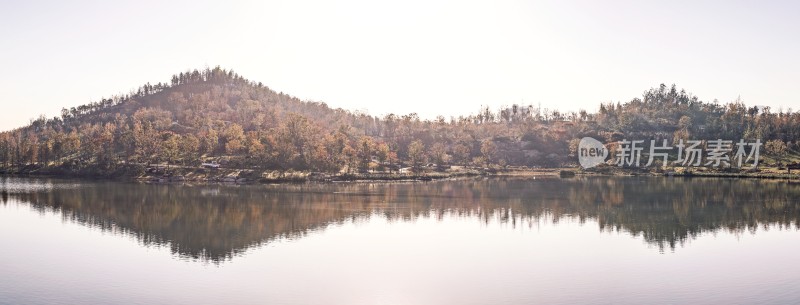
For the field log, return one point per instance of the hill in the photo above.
(216, 115)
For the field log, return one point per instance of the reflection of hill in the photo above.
(216, 222)
(667, 211)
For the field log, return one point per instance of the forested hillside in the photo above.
(217, 115)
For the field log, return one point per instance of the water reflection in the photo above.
(215, 222)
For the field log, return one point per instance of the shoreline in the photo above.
(253, 176)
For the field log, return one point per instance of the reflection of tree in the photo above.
(668, 211)
(216, 222)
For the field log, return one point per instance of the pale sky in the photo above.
(429, 57)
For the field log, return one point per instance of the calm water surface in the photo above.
(517, 241)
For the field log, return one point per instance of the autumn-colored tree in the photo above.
(71, 144)
(146, 139)
(438, 153)
(416, 153)
(286, 153)
(234, 139)
(29, 148)
(461, 153)
(171, 147)
(188, 148)
(488, 151)
(255, 149)
(104, 139)
(323, 158)
(5, 150)
(350, 156)
(385, 155)
(209, 141)
(777, 148)
(365, 149)
(268, 155)
(46, 147)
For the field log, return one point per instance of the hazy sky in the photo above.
(429, 57)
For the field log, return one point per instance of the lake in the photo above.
(585, 240)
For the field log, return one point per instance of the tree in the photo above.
(209, 141)
(461, 153)
(683, 133)
(416, 153)
(439, 153)
(5, 150)
(488, 151)
(171, 147)
(72, 143)
(383, 153)
(573, 147)
(350, 156)
(188, 148)
(29, 149)
(234, 139)
(365, 148)
(234, 146)
(322, 156)
(104, 140)
(297, 136)
(776, 148)
(148, 146)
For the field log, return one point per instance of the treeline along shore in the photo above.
(214, 123)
